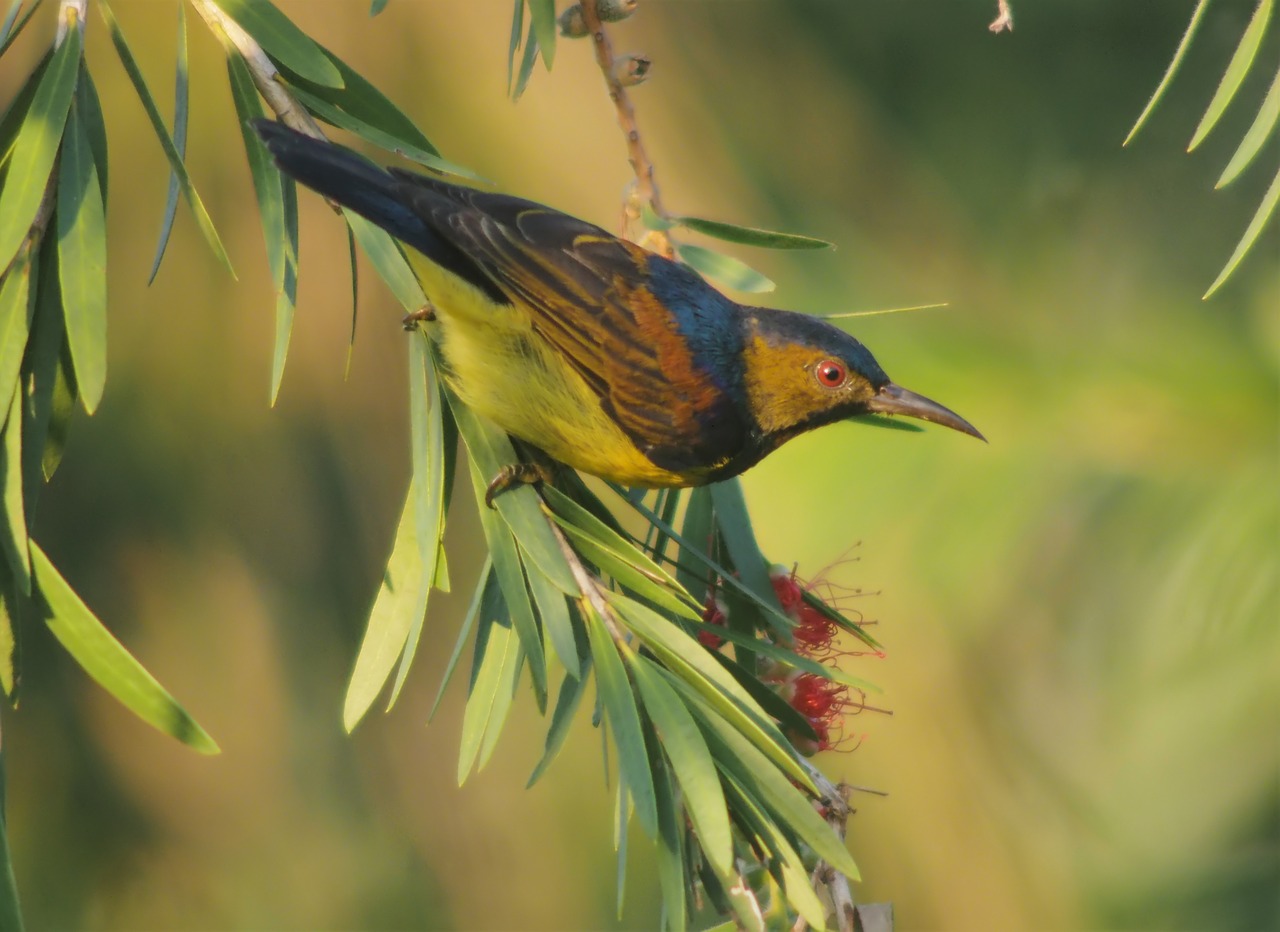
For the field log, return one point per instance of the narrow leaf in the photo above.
(176, 164)
(387, 261)
(1174, 64)
(1237, 68)
(90, 109)
(65, 394)
(724, 269)
(401, 601)
(626, 574)
(695, 543)
(691, 664)
(1251, 234)
(39, 375)
(542, 19)
(486, 602)
(82, 261)
(620, 705)
(20, 106)
(1257, 134)
(497, 647)
(586, 523)
(740, 541)
(36, 147)
(517, 29)
(283, 40)
(181, 97)
(670, 853)
(15, 7)
(377, 6)
(506, 563)
(491, 450)
(691, 761)
(557, 627)
(751, 236)
(107, 662)
(527, 62)
(17, 551)
(735, 755)
(15, 324)
(567, 702)
(355, 300)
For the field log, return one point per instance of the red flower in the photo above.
(822, 703)
(712, 614)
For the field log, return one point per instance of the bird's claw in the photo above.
(515, 474)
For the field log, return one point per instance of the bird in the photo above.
(607, 357)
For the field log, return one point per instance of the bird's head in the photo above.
(801, 372)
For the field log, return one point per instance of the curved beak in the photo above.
(894, 399)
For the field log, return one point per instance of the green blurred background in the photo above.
(1084, 654)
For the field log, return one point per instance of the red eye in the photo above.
(830, 374)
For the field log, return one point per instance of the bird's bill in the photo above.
(894, 399)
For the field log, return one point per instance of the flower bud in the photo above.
(630, 70)
(574, 26)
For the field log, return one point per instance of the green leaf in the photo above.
(486, 601)
(278, 210)
(490, 450)
(377, 6)
(1261, 128)
(15, 324)
(364, 102)
(1251, 234)
(527, 62)
(82, 261)
(20, 106)
(670, 852)
(497, 648)
(14, 607)
(578, 519)
(506, 563)
(355, 300)
(90, 108)
(427, 488)
(335, 117)
(745, 557)
(181, 100)
(696, 538)
(15, 7)
(1237, 68)
(11, 32)
(39, 373)
(737, 757)
(620, 706)
(517, 29)
(692, 664)
(10, 911)
(36, 146)
(400, 604)
(65, 393)
(176, 164)
(625, 572)
(557, 627)
(282, 40)
(542, 20)
(792, 874)
(691, 761)
(789, 720)
(725, 269)
(388, 261)
(107, 662)
(1181, 51)
(17, 551)
(567, 702)
(751, 236)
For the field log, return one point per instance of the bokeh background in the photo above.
(1082, 616)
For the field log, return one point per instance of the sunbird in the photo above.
(607, 357)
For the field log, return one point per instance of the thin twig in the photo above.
(1004, 18)
(646, 187)
(265, 75)
(589, 585)
(834, 805)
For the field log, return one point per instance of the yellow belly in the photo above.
(505, 372)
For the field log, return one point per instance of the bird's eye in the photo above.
(830, 374)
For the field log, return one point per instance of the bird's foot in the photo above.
(426, 312)
(515, 474)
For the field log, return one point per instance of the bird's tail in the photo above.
(349, 180)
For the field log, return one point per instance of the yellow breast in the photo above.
(507, 373)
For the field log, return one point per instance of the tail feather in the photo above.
(357, 184)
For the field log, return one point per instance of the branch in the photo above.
(646, 189)
(265, 75)
(835, 808)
